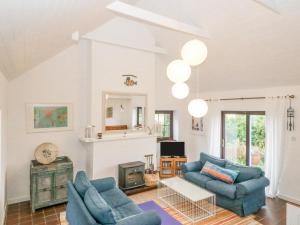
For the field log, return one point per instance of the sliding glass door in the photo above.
(243, 137)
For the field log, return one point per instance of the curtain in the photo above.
(213, 120)
(276, 134)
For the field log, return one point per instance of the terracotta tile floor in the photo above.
(20, 214)
(274, 213)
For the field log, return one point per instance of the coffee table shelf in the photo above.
(193, 202)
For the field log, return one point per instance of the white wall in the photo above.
(3, 145)
(57, 80)
(290, 182)
(78, 75)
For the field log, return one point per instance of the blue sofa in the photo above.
(244, 197)
(100, 202)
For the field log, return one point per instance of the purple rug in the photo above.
(166, 219)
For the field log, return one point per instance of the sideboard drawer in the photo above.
(61, 178)
(61, 192)
(44, 181)
(44, 196)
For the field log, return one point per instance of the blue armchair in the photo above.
(244, 197)
(100, 202)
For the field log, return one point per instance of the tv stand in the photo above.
(171, 166)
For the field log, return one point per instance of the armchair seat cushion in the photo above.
(82, 183)
(98, 207)
(219, 187)
(115, 197)
(197, 178)
(123, 211)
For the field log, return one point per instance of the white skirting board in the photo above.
(289, 199)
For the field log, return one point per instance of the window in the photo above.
(139, 116)
(164, 125)
(243, 137)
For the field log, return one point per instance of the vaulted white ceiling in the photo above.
(250, 45)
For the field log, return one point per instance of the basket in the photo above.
(151, 179)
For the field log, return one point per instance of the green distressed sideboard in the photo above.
(48, 183)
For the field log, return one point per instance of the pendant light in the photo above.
(180, 90)
(194, 52)
(178, 71)
(197, 108)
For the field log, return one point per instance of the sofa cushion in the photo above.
(246, 172)
(197, 178)
(115, 197)
(219, 173)
(98, 207)
(219, 187)
(123, 211)
(82, 183)
(214, 160)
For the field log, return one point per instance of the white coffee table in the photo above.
(190, 200)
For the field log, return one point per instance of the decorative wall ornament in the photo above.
(198, 126)
(49, 117)
(46, 153)
(130, 80)
(290, 117)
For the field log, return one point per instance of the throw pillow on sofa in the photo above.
(99, 209)
(82, 183)
(219, 173)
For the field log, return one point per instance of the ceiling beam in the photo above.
(269, 4)
(126, 44)
(146, 16)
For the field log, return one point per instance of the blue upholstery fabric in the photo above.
(249, 186)
(98, 207)
(124, 210)
(221, 188)
(219, 173)
(77, 213)
(244, 197)
(100, 194)
(214, 160)
(82, 183)
(192, 167)
(115, 197)
(104, 184)
(246, 172)
(197, 178)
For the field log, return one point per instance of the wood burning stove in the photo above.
(131, 175)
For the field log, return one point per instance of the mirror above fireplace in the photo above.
(124, 112)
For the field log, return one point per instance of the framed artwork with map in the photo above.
(49, 117)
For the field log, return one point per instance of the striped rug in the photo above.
(223, 217)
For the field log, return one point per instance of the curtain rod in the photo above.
(250, 98)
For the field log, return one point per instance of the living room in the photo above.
(118, 77)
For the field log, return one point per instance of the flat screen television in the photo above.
(172, 149)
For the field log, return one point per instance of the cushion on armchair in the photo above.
(214, 160)
(98, 207)
(82, 183)
(246, 172)
(219, 173)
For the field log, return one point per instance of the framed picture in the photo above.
(49, 117)
(109, 112)
(198, 126)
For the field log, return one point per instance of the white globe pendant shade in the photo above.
(178, 71)
(180, 90)
(197, 108)
(194, 52)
